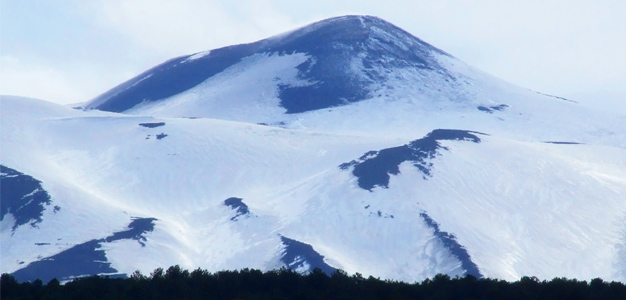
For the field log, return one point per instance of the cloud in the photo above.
(173, 28)
(16, 78)
(71, 84)
(94, 45)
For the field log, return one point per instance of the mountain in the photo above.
(346, 144)
(326, 64)
(343, 69)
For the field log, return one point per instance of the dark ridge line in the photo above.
(557, 97)
(170, 78)
(562, 143)
(449, 241)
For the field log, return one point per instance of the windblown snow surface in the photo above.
(432, 167)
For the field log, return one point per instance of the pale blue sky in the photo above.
(69, 51)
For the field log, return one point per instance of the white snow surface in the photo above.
(197, 56)
(250, 89)
(519, 206)
(416, 100)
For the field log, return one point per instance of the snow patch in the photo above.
(196, 56)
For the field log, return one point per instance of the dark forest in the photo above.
(177, 283)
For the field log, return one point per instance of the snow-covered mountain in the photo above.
(346, 144)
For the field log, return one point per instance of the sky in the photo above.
(70, 51)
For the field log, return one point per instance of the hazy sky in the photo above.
(69, 51)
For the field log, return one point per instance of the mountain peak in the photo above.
(345, 57)
(355, 33)
(348, 28)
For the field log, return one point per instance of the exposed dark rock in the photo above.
(375, 167)
(238, 205)
(152, 125)
(23, 197)
(84, 259)
(493, 108)
(449, 241)
(299, 256)
(485, 109)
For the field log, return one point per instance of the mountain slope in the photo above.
(328, 71)
(347, 144)
(344, 69)
(487, 206)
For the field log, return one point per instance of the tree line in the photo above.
(177, 283)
